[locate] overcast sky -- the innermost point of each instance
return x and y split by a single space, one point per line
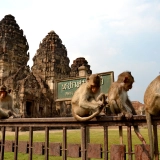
112 35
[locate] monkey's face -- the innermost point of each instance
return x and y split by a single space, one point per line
94 89
3 94
128 86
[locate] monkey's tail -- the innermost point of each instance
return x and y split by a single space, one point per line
82 119
150 134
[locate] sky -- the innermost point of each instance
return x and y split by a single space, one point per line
112 35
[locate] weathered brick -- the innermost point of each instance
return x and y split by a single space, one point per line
73 150
8 146
22 146
142 152
94 151
117 152
38 148
55 149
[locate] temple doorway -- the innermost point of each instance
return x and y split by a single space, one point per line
29 108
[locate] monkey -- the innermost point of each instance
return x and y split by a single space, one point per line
152 107
6 104
119 102
87 102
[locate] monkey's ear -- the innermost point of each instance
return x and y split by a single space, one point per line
125 80
87 78
100 77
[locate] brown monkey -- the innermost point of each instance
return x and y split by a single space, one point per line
152 107
86 104
6 104
118 100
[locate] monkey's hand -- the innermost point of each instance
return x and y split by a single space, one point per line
100 103
102 98
100 107
121 115
128 115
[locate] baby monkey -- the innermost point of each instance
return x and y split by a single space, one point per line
119 102
87 102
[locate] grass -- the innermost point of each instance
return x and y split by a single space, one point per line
74 137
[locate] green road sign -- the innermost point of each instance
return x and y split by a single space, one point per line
66 88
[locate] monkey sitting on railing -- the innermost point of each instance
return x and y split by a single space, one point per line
87 102
119 102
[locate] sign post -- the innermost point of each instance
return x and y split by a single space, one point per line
65 89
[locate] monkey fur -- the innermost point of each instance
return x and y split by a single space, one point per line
6 104
152 107
87 102
119 102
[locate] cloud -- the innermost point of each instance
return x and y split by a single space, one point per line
135 18
111 35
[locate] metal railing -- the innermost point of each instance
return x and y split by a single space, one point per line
65 124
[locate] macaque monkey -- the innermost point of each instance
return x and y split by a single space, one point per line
87 102
119 102
6 104
152 107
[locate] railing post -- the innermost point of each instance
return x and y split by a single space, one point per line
129 142
87 139
155 142
2 142
30 142
46 143
16 143
105 142
64 145
121 134
83 143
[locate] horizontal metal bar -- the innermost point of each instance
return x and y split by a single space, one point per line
70 121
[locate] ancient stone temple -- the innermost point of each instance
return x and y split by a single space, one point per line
13 47
51 59
76 64
33 89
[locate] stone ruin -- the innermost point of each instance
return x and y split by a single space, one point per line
33 89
